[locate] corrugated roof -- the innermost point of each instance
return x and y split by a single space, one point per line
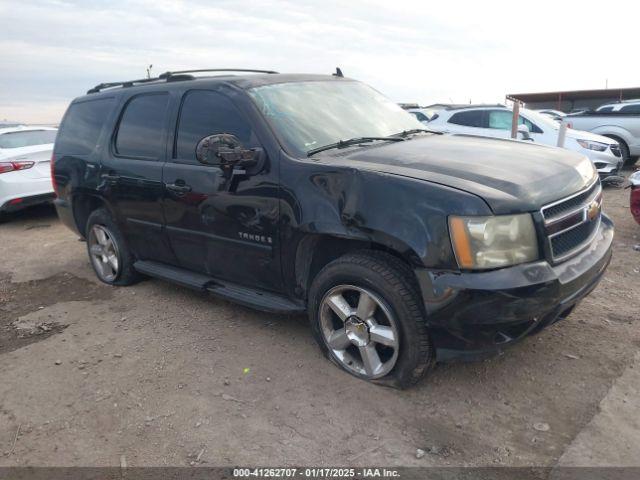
604 93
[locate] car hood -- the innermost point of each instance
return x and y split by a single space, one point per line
582 135
511 176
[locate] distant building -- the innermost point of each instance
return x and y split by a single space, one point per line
568 101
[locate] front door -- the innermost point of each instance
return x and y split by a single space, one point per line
498 124
219 225
131 174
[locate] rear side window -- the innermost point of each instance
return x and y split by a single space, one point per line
472 118
630 109
140 132
205 113
605 109
420 116
82 125
27 138
500 119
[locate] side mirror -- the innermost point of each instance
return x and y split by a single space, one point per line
226 151
524 131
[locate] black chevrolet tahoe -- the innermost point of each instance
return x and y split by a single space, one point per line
293 193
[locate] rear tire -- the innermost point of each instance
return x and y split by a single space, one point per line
109 254
367 317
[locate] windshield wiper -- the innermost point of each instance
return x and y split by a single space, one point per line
406 133
353 141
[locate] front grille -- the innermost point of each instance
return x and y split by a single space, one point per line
571 223
566 242
558 209
615 149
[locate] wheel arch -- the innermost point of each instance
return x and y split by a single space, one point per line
615 132
617 138
84 204
315 251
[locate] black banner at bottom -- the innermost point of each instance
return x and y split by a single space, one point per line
237 473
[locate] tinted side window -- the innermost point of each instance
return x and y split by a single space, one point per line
472 118
140 133
205 113
28 138
605 109
420 116
533 128
82 125
500 119
630 109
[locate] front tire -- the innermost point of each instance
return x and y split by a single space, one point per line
366 315
109 254
624 150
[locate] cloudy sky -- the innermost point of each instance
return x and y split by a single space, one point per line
442 51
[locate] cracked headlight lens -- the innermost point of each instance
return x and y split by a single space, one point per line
493 241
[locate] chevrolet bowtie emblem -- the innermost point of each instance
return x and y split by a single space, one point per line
593 210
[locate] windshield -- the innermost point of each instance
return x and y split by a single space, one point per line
542 120
27 138
308 115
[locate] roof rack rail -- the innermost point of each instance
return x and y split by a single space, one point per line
462 106
167 75
127 83
171 76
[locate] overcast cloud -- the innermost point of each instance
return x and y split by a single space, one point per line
52 51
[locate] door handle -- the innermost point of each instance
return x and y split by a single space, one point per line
110 177
178 187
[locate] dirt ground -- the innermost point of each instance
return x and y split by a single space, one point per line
165 376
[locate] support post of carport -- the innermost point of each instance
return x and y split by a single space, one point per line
514 120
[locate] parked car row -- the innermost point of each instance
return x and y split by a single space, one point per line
405 244
495 121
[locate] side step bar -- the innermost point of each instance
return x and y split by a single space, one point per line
177 275
258 299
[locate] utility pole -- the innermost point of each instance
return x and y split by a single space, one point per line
149 71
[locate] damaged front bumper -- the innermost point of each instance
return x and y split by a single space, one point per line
475 315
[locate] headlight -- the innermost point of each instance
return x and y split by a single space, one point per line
589 145
493 242
587 170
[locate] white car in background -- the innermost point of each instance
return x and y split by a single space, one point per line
556 115
495 121
25 167
422 114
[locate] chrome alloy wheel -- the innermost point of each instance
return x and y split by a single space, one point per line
359 330
104 253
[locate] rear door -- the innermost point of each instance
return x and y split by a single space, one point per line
219 226
467 121
498 123
131 173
